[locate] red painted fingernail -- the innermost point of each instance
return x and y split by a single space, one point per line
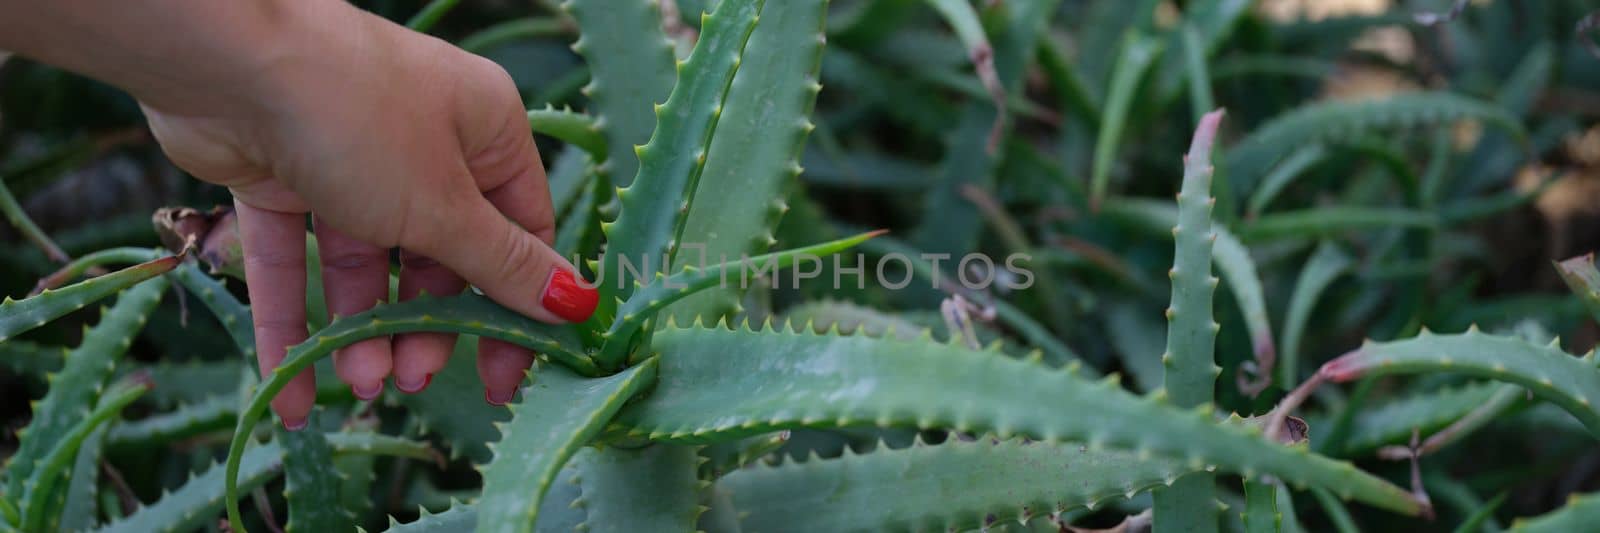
569 299
497 400
372 391
294 425
414 386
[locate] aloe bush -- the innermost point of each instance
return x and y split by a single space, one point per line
1315 241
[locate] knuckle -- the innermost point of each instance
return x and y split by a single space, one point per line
274 260
352 261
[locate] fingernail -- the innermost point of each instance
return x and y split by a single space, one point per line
497 399
413 385
295 424
567 298
368 393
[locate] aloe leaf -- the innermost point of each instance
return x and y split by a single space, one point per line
40 490
1191 368
1549 373
1392 422
559 413
459 517
430 15
1581 511
759 139
192 382
30 358
195 504
74 391
1334 120
954 486
514 30
311 484
80 508
1230 257
631 67
964 20
654 205
1481 519
1201 100
1138 52
651 299
1581 276
1139 337
647 489
1337 514
468 313
724 457
1330 221
234 316
570 127
1282 175
950 224
1325 265
19 219
215 413
806 380
17 316
1261 508
1207 25
561 512
850 319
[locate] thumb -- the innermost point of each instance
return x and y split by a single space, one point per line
510 265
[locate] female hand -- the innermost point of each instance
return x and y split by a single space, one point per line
388 137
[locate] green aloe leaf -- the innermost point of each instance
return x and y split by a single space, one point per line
653 206
1261 508
17 316
1581 276
311 484
664 290
1189 359
954 486
631 69
710 389
196 503
47 476
1336 120
646 489
76 389
1581 512
1549 373
558 414
1325 265
1231 257
570 127
1138 52
468 313
754 155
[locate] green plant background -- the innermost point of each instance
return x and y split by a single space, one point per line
1364 242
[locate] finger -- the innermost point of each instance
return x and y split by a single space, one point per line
502 367
418 356
355 277
525 199
275 273
510 265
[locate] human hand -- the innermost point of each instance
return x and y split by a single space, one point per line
391 139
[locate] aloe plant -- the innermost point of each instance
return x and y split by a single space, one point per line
736 155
